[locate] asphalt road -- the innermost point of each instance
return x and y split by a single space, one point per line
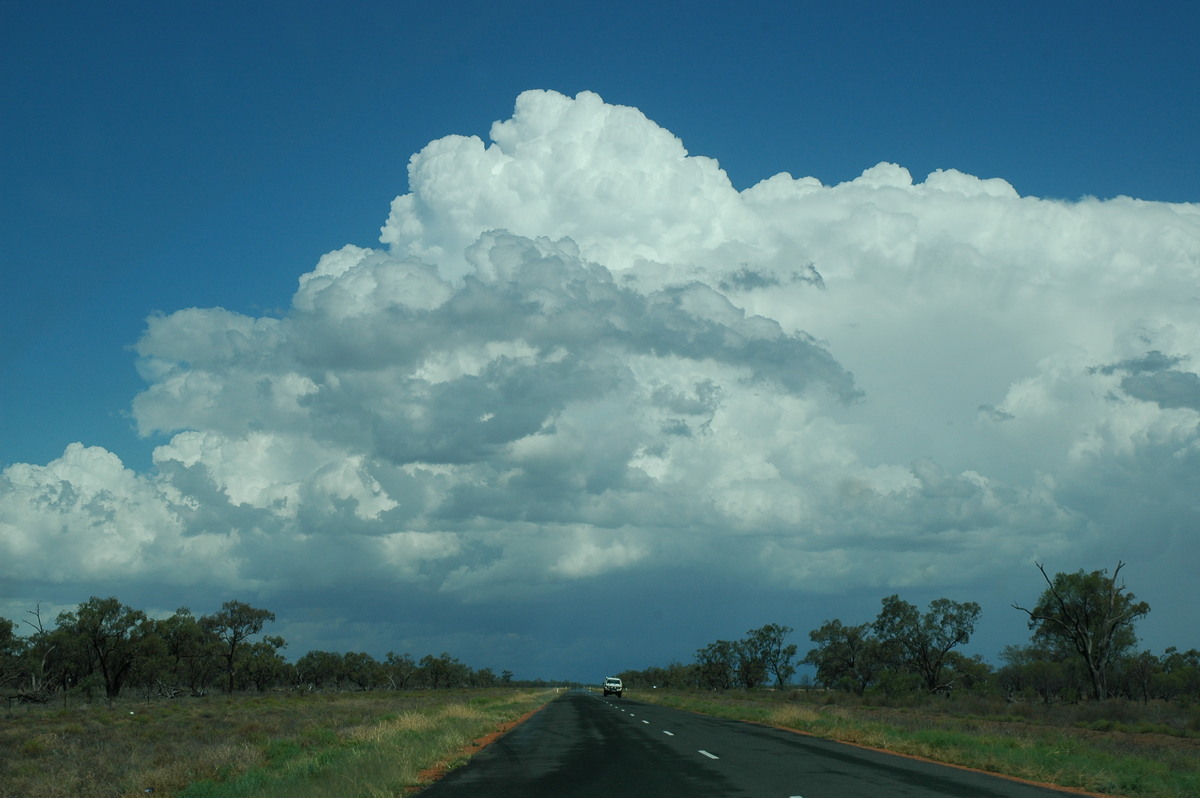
583 745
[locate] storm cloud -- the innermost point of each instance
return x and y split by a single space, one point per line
579 354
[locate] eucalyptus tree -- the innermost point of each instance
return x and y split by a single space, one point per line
1090 614
846 657
400 668
362 670
232 625
262 664
717 665
193 653
921 643
1033 670
442 671
768 646
11 650
1180 674
115 635
751 668
319 669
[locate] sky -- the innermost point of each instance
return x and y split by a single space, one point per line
568 340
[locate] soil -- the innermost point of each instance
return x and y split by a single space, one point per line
430 775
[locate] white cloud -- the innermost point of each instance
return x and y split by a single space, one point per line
85 516
582 352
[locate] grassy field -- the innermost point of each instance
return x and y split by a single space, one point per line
1110 748
296 745
390 743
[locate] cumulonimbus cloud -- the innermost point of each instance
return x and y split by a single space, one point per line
581 350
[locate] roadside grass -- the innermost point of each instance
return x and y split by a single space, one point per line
1047 745
367 744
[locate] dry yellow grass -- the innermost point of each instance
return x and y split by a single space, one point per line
794 716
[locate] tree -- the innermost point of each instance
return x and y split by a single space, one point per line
970 673
193 656
1031 670
11 649
361 669
60 656
484 677
751 669
262 663
442 671
717 665
1180 674
321 668
43 658
922 643
401 667
1090 614
846 657
680 675
1139 671
232 625
767 646
116 635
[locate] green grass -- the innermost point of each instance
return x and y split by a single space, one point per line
1047 748
344 744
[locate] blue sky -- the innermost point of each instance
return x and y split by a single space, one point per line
166 158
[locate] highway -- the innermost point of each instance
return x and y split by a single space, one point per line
583 745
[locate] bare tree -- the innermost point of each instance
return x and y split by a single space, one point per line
1089 613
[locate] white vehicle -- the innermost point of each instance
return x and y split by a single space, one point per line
612 685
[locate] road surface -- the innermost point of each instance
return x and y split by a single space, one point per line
582 745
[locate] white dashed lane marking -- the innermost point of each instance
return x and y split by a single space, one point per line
672 734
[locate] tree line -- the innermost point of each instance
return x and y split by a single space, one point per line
1083 643
105 646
